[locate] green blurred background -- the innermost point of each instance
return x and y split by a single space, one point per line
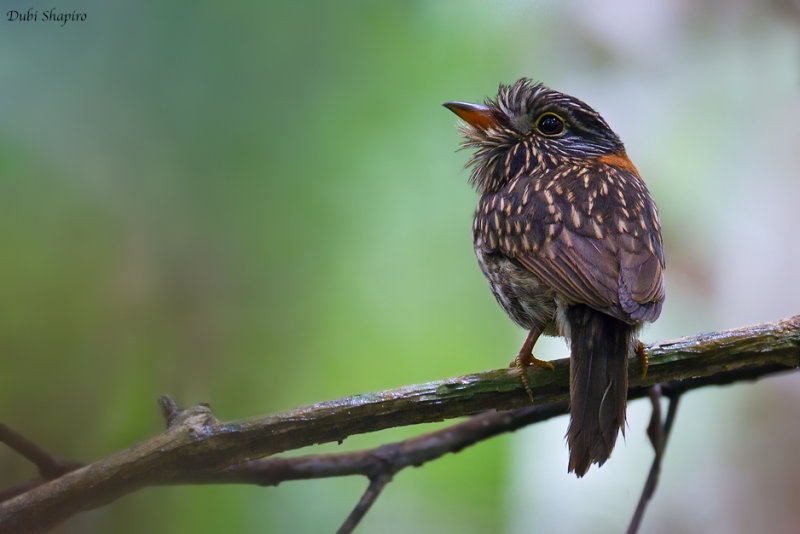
261 206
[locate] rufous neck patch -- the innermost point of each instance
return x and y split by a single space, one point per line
619 160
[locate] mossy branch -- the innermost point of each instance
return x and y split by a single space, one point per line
196 446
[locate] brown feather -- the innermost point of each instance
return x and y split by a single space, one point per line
619 273
600 346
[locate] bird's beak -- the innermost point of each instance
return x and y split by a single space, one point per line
475 115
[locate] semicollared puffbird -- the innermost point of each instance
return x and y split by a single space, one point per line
569 239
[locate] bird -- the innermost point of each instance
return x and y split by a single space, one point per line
569 239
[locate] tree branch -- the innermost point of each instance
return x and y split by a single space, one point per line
659 432
49 466
197 444
389 458
376 485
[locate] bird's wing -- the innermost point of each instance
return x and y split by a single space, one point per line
593 235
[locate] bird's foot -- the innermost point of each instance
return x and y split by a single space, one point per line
521 362
643 359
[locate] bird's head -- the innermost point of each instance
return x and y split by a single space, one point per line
530 128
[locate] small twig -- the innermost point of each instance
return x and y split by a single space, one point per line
658 432
389 459
655 430
671 411
376 485
169 410
49 466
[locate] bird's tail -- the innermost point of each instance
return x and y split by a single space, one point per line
598 388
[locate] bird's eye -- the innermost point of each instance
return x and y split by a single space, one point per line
550 124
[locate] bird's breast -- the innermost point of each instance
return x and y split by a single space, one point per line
522 295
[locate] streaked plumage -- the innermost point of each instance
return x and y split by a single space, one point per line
569 239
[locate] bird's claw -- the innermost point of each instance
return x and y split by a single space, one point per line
644 360
521 362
